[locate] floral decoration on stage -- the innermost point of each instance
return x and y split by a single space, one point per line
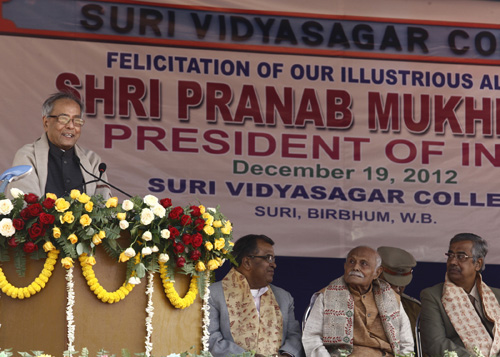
164 238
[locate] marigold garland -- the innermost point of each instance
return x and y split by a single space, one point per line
36 286
171 293
99 291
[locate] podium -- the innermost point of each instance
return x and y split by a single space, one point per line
39 322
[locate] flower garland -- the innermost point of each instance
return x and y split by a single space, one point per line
171 293
99 291
150 313
37 285
206 314
69 309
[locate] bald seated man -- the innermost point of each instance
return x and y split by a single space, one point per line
358 313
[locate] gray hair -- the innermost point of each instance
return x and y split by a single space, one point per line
48 105
377 256
479 246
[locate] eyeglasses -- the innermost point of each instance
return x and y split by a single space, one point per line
65 119
269 257
461 257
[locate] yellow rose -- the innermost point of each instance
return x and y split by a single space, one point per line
73 238
90 260
85 220
96 239
217 224
102 234
51 195
84 198
61 205
209 230
220 243
74 194
56 232
121 216
89 206
67 262
209 219
112 202
200 266
212 264
123 258
202 209
67 217
227 228
48 246
209 246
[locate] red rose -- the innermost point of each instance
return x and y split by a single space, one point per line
46 218
36 230
29 247
195 211
185 220
176 212
199 224
12 242
18 224
31 198
49 203
174 233
166 202
197 240
25 214
180 262
178 248
35 209
186 238
195 255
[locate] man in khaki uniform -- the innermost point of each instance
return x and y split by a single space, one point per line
397 265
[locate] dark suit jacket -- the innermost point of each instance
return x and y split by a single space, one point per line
436 329
221 342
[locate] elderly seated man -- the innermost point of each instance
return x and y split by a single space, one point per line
358 313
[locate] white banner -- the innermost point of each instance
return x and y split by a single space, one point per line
323 130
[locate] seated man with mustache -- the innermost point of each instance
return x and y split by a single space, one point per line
358 313
462 314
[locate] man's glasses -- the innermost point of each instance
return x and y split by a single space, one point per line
461 257
269 257
65 119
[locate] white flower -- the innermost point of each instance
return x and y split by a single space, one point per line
165 233
15 192
6 227
127 205
146 251
124 224
155 249
129 252
159 211
134 280
6 206
163 258
147 216
150 200
211 209
147 236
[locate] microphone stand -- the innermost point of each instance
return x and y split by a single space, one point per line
97 179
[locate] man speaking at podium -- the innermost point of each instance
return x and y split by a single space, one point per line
59 164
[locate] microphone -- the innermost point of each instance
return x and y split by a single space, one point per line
102 169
